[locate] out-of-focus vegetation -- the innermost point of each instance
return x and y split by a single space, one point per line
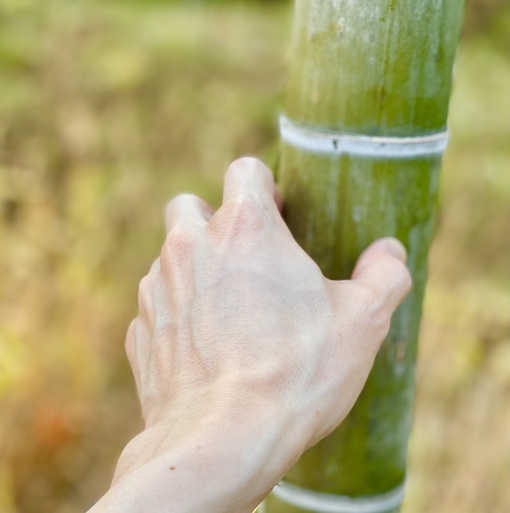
107 109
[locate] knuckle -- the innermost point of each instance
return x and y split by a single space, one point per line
374 309
368 297
240 216
177 247
244 206
380 322
145 296
179 237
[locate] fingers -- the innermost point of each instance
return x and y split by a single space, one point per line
246 176
382 268
187 209
249 176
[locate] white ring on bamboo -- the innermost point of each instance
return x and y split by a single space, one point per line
328 503
316 141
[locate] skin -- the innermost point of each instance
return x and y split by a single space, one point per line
243 353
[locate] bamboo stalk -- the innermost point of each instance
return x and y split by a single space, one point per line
362 137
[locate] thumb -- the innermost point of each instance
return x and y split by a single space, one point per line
382 268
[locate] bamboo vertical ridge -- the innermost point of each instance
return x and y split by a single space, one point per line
366 70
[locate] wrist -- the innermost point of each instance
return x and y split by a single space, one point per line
236 449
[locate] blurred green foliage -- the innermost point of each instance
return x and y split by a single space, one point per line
109 108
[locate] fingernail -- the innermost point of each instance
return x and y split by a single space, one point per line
394 247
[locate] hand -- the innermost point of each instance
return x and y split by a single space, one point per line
243 353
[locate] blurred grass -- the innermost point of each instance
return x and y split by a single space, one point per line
107 109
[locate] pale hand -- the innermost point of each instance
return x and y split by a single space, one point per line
243 353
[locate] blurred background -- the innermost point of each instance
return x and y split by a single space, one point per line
107 109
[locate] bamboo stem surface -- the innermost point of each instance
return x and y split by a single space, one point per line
366 69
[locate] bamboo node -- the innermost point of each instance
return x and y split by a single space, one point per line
317 141
328 503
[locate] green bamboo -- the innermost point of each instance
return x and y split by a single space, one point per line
375 68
